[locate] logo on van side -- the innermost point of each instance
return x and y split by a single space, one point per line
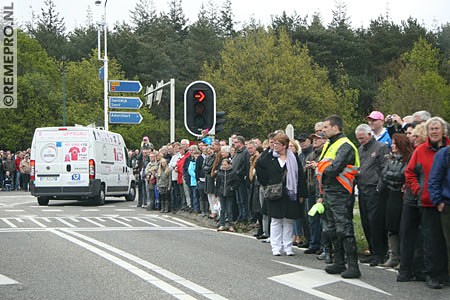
48 153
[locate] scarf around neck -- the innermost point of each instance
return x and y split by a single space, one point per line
292 173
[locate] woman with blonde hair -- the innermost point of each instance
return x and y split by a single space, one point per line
419 135
282 166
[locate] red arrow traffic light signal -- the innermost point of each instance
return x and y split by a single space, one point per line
200 96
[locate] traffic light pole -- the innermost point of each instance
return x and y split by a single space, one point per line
172 105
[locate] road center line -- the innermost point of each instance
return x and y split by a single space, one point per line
172 290
159 270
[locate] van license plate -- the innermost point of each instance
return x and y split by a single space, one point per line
49 178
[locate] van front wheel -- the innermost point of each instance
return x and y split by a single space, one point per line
43 200
132 194
100 198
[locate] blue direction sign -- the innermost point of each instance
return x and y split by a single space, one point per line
124 86
125 102
125 117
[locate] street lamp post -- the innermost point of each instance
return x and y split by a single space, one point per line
105 64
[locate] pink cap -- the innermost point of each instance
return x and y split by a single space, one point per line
375 115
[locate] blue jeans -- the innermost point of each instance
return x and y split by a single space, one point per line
175 196
17 183
226 209
194 198
314 224
142 186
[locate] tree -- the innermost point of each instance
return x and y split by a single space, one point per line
38 95
417 85
143 15
264 82
50 30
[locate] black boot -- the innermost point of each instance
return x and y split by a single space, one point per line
352 259
338 265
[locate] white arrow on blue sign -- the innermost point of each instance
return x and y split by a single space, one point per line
125 118
124 86
125 102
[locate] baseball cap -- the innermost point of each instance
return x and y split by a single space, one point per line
317 135
302 137
375 115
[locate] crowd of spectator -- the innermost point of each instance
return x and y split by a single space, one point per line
404 206
302 192
14 170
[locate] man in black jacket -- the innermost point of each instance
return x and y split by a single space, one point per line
241 165
336 170
372 205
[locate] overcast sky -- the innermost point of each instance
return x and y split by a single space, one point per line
430 13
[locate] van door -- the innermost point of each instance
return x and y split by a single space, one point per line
61 158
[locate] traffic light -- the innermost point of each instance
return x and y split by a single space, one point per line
220 121
199 107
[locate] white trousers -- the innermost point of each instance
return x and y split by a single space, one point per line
281 232
212 199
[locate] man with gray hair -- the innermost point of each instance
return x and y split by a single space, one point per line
371 202
421 116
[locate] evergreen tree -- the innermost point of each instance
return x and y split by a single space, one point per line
50 30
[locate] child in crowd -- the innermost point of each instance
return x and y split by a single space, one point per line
227 183
7 182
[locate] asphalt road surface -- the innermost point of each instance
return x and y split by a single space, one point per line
71 250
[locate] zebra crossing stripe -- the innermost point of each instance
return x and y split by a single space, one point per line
9 223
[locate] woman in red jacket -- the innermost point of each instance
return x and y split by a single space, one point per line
434 247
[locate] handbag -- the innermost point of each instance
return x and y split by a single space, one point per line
273 191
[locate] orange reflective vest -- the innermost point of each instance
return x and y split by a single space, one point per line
328 155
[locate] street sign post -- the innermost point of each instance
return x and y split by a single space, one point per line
124 86
119 117
125 102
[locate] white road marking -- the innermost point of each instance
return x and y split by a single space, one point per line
146 222
170 289
93 222
51 210
120 222
308 279
9 223
124 209
37 222
19 220
125 219
176 221
46 220
73 219
100 219
65 222
157 269
14 210
6 280
91 209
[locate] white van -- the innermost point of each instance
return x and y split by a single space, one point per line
80 163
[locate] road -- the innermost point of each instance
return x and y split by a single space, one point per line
70 250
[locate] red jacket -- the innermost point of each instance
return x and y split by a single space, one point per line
418 169
17 163
180 164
